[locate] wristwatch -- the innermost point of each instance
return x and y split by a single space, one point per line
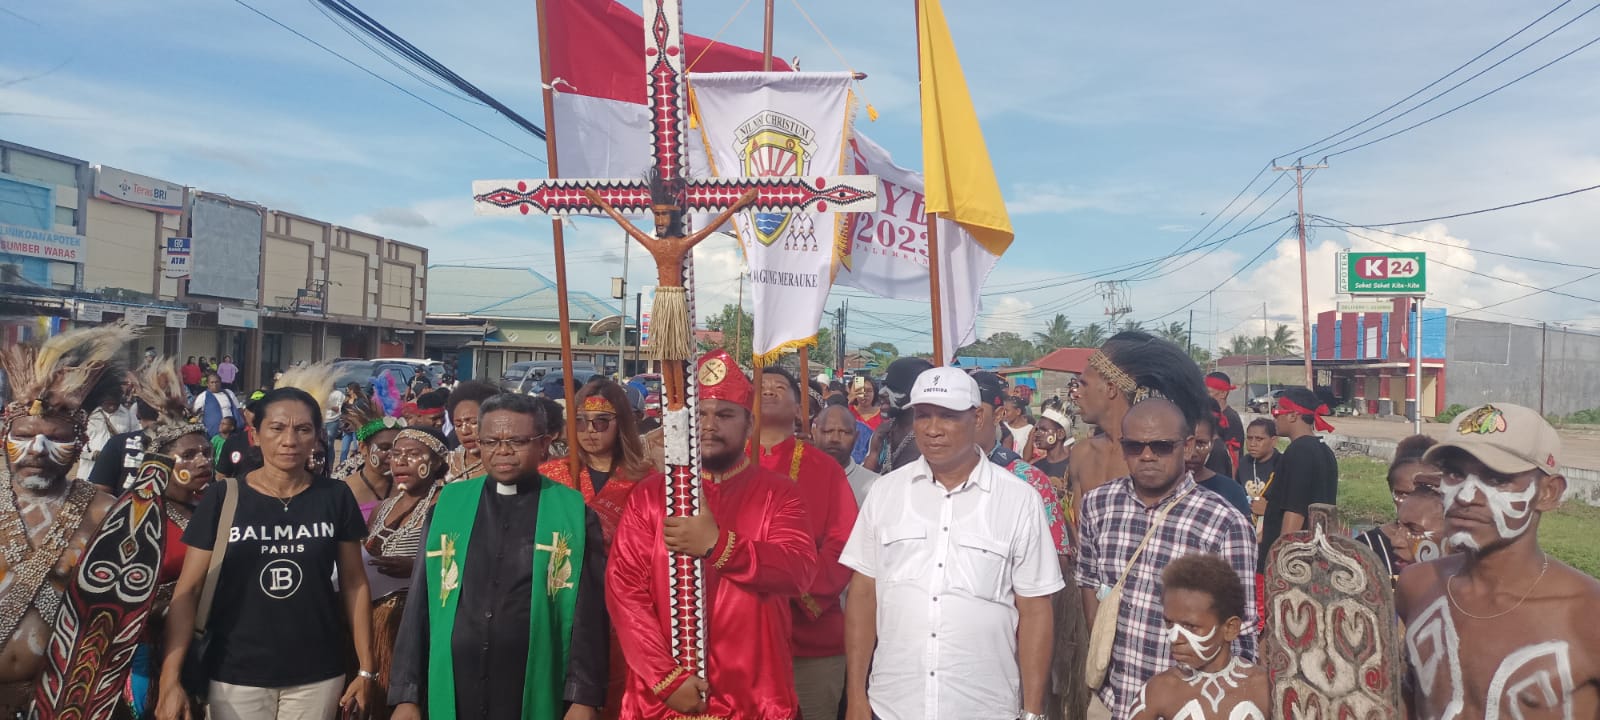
374 676
1030 716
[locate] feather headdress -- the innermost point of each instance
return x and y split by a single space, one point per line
59 375
161 387
316 380
366 418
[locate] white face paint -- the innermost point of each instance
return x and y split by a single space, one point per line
1511 511
1200 644
1462 542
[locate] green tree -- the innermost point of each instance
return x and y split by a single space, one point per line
823 353
1128 325
1201 356
1092 335
1283 341
1058 333
1175 331
882 353
736 325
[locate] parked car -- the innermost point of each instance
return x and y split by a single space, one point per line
552 386
650 385
367 373
433 370
1263 403
526 377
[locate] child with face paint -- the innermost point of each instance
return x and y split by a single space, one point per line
1203 603
1499 628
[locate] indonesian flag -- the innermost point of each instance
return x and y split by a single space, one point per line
597 72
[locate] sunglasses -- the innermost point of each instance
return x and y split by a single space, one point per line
1161 448
598 423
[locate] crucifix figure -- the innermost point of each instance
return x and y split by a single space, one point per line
669 193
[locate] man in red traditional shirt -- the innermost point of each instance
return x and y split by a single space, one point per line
759 554
818 618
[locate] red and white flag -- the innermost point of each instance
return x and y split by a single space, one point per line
596 51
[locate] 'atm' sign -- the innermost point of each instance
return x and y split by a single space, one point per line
1383 273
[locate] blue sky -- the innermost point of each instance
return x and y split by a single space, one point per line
1117 131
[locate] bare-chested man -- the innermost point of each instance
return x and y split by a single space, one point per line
1500 629
1130 364
47 517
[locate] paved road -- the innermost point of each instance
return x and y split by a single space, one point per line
1580 448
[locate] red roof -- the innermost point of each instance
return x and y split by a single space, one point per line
1070 360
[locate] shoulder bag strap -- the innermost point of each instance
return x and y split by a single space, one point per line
1154 523
219 549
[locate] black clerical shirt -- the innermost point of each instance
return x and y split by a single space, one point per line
490 642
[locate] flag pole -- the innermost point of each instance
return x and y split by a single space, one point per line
936 297
755 367
558 240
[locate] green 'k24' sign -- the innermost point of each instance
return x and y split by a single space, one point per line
1395 273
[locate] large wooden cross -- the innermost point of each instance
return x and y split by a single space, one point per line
669 193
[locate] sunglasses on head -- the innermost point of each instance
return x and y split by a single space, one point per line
1161 448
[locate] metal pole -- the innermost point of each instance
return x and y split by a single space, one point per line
1266 334
1305 287
622 347
638 333
1544 348
1189 341
1416 417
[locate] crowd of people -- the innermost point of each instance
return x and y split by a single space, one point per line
920 545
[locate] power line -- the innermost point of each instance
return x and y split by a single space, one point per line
389 82
1185 244
1425 88
1479 212
392 40
1338 224
1503 86
1225 280
1434 261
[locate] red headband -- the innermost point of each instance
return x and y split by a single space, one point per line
1287 406
1220 384
411 408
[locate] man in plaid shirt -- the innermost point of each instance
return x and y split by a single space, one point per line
1115 518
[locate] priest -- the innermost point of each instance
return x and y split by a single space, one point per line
507 619
757 556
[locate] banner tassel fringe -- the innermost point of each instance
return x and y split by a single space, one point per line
772 356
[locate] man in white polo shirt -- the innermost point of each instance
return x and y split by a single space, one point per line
954 563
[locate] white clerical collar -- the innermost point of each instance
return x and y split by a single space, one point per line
501 488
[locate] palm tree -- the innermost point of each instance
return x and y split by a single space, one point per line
1283 341
1260 345
1175 331
1058 333
1092 335
1238 345
1128 325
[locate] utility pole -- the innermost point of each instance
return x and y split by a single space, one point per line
1267 334
1299 169
1190 340
1544 347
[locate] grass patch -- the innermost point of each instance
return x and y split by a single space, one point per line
1568 534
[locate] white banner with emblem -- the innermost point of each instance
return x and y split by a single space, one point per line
779 124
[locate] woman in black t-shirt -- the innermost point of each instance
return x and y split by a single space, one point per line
278 635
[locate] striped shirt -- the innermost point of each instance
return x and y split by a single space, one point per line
1113 522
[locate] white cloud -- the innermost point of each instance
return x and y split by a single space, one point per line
1008 314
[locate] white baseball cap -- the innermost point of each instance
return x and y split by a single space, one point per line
947 387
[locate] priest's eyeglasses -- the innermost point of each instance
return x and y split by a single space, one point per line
493 446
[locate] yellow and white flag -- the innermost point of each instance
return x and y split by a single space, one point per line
779 124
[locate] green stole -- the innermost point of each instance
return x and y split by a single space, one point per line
556 569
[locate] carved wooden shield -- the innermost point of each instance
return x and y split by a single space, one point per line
1332 643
